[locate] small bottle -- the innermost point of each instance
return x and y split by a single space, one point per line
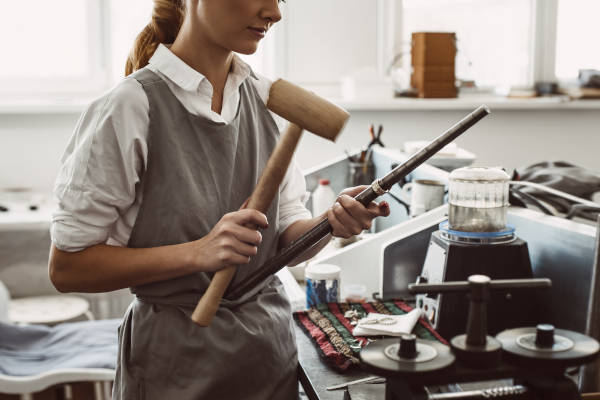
322 198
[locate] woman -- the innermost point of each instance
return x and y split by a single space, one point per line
150 197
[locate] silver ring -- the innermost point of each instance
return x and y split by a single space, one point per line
377 188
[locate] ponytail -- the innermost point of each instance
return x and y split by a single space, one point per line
167 17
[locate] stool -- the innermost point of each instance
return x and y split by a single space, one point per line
48 310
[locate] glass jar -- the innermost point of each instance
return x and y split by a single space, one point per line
478 199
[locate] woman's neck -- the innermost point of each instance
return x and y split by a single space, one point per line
212 61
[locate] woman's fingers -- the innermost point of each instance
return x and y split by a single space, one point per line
248 216
349 217
338 229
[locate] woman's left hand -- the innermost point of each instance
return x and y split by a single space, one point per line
348 217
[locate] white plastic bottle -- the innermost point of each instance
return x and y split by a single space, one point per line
322 198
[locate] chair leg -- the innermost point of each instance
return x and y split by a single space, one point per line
68 392
98 391
107 385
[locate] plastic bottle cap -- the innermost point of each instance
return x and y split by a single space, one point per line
323 181
322 271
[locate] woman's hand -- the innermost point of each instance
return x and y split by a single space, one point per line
348 217
232 241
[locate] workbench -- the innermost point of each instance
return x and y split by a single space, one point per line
316 375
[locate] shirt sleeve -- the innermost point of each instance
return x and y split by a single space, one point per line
101 168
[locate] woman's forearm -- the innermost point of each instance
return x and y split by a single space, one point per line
103 268
297 229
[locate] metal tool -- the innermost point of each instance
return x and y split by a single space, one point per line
545 346
407 357
369 379
476 348
493 393
377 188
536 357
375 138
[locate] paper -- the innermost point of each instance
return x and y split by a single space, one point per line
382 324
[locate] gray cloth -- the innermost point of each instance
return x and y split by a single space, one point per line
198 170
34 349
563 176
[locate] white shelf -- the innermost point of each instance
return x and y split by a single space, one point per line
468 102
45 106
76 105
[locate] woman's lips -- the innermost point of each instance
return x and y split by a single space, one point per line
259 33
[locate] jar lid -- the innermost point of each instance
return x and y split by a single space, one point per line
489 174
323 181
322 271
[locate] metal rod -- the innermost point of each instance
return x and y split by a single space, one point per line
369 379
377 188
463 286
496 393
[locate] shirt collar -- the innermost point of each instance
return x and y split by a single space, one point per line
174 68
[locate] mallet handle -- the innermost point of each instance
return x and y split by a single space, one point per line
260 200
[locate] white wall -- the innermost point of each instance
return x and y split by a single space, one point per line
31 145
319 44
509 138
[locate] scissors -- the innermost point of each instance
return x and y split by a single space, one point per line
375 138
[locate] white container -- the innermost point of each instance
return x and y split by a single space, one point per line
322 198
478 198
425 195
322 284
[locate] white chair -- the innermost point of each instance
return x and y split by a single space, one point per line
41 379
25 386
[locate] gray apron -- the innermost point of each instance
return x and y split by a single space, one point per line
197 171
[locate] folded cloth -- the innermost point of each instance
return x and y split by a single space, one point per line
331 330
34 349
376 324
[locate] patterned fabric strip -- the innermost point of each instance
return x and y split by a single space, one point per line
333 335
325 347
332 332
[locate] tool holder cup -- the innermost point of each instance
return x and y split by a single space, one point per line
360 173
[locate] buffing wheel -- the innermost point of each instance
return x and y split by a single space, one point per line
529 347
381 358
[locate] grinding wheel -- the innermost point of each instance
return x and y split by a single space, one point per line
381 358
522 347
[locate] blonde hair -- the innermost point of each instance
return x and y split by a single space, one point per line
167 17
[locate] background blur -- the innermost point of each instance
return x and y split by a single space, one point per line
59 55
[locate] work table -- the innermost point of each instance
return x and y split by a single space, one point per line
315 375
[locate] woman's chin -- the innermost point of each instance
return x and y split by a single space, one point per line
247 48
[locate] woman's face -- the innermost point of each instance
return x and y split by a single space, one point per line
236 25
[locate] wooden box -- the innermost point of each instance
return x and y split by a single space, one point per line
433 48
424 74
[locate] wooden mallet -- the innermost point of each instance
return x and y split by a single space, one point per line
304 110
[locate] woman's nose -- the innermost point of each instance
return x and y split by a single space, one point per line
271 11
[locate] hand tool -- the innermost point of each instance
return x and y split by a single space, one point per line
304 110
377 188
369 379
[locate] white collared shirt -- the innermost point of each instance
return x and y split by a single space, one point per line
99 187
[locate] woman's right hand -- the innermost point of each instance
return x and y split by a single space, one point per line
232 241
